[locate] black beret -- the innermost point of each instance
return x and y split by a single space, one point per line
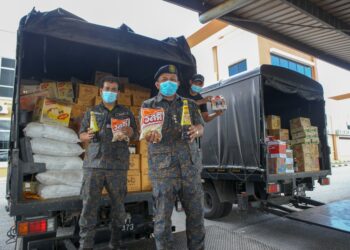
197 78
170 69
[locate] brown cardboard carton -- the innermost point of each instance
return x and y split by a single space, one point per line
28 102
65 91
138 99
86 102
305 132
50 87
87 92
311 140
273 122
277 165
78 111
279 134
134 181
144 164
134 162
124 99
146 183
301 149
99 75
136 111
98 100
52 112
307 163
300 122
142 147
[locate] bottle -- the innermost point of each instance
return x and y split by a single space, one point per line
94 126
185 121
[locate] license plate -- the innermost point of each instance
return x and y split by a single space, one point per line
128 226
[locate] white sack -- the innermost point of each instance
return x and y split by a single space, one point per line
55 148
61 177
59 163
57 191
58 133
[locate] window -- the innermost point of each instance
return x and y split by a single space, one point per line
236 68
7 77
292 65
4 144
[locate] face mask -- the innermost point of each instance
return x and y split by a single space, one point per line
109 97
168 88
196 88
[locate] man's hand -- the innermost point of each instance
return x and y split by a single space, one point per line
153 137
128 131
208 98
219 112
195 131
86 136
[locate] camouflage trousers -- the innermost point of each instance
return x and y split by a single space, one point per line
190 193
93 182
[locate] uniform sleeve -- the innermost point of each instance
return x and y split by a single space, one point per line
203 108
195 114
85 123
133 125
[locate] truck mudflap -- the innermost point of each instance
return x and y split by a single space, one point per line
335 215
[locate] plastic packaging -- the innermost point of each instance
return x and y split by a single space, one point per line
117 125
57 191
55 148
59 163
54 132
61 177
151 120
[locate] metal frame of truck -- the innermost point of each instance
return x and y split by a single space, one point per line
58 45
234 148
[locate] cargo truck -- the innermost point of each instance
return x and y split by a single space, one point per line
58 45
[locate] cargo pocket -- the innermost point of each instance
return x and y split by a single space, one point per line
93 150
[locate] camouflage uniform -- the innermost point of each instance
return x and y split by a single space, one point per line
105 164
175 167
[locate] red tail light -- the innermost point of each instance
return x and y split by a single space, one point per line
35 226
324 181
38 226
273 188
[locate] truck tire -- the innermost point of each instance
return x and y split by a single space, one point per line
213 208
227 209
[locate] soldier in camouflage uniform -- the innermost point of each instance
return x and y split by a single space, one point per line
175 164
105 165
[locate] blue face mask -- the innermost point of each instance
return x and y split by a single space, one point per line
168 88
109 97
196 88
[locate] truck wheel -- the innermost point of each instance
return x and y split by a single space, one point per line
227 209
213 208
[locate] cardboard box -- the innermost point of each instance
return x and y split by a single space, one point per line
53 112
307 163
134 162
30 186
65 91
99 75
50 87
138 99
142 147
273 122
78 111
302 149
312 140
98 100
305 132
29 89
86 102
289 153
136 111
87 92
134 181
300 122
277 165
277 147
124 99
146 183
289 168
144 164
28 102
279 134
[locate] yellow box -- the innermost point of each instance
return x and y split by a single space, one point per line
300 122
142 147
78 111
273 122
124 99
146 183
144 164
65 91
87 92
50 87
86 102
53 112
134 162
134 181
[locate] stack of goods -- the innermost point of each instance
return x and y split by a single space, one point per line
280 157
57 147
305 145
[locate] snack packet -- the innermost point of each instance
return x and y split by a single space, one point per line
218 103
117 125
152 119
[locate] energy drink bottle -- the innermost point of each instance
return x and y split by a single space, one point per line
185 121
94 126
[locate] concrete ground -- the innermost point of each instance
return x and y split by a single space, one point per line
268 229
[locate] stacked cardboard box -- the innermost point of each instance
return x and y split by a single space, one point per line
274 128
134 173
305 145
277 157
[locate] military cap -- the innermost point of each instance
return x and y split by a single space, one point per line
197 78
170 69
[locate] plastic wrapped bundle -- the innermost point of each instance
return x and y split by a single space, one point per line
55 148
61 177
57 191
59 163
